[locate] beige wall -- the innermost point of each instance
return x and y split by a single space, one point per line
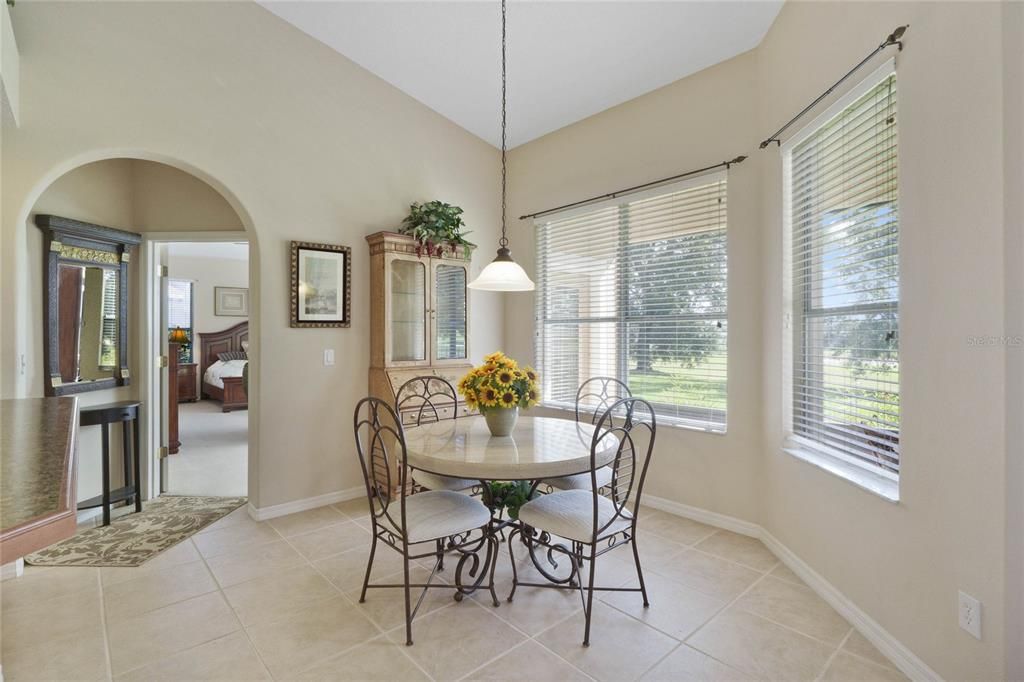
9 66
901 563
305 145
904 563
165 199
645 139
1013 165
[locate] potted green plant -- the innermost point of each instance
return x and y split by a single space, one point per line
508 495
436 227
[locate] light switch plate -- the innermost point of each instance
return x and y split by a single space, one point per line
328 357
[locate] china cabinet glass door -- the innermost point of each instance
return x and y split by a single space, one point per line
408 311
450 300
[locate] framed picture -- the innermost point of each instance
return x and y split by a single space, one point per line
321 285
230 302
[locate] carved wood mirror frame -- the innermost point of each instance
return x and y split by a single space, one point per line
76 242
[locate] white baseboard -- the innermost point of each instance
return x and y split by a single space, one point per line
15 569
272 512
902 657
704 516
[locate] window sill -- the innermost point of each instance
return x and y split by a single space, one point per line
875 483
662 421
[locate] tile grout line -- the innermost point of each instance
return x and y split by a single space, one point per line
380 629
726 605
832 657
220 590
704 624
533 638
382 634
764 575
103 623
863 659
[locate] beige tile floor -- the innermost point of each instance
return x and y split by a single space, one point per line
279 600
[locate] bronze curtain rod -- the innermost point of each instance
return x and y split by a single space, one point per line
893 38
629 190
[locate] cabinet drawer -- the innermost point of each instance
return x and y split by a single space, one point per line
410 416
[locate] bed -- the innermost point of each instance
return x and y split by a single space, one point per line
222 380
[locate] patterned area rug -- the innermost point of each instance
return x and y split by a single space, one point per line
136 538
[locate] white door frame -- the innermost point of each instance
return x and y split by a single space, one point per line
151 343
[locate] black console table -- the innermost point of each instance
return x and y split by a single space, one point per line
126 412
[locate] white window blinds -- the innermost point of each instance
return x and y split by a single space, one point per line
449 312
179 304
637 291
845 273
108 323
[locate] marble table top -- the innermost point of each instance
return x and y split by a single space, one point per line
539 447
36 447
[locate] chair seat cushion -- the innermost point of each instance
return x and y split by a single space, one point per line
437 514
434 482
570 514
581 481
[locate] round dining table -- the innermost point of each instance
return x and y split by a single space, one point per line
539 448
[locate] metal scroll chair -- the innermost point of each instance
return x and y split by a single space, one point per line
430 399
586 518
597 393
428 519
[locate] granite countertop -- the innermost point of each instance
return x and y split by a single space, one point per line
36 457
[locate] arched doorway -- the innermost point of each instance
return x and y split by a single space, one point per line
80 188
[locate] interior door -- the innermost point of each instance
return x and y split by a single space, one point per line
164 391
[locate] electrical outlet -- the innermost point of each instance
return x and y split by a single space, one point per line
328 357
970 614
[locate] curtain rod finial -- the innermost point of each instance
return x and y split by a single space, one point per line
895 38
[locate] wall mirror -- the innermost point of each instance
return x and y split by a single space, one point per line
85 305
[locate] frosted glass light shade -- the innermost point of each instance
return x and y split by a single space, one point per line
502 274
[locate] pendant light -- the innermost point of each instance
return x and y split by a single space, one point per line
503 273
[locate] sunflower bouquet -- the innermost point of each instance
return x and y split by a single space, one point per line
500 383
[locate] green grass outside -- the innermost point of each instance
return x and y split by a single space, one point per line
703 386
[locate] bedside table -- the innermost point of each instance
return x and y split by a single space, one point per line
187 389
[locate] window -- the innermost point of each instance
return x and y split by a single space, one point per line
844 230
636 290
108 321
179 314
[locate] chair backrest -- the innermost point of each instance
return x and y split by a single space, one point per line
379 433
426 397
631 421
600 393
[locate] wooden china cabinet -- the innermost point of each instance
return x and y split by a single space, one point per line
419 316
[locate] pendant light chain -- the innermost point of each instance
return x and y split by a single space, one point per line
503 242
503 273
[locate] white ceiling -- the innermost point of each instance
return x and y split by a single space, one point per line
566 60
217 250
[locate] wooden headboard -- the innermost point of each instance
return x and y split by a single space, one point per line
214 343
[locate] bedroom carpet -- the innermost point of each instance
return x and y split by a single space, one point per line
136 538
213 459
